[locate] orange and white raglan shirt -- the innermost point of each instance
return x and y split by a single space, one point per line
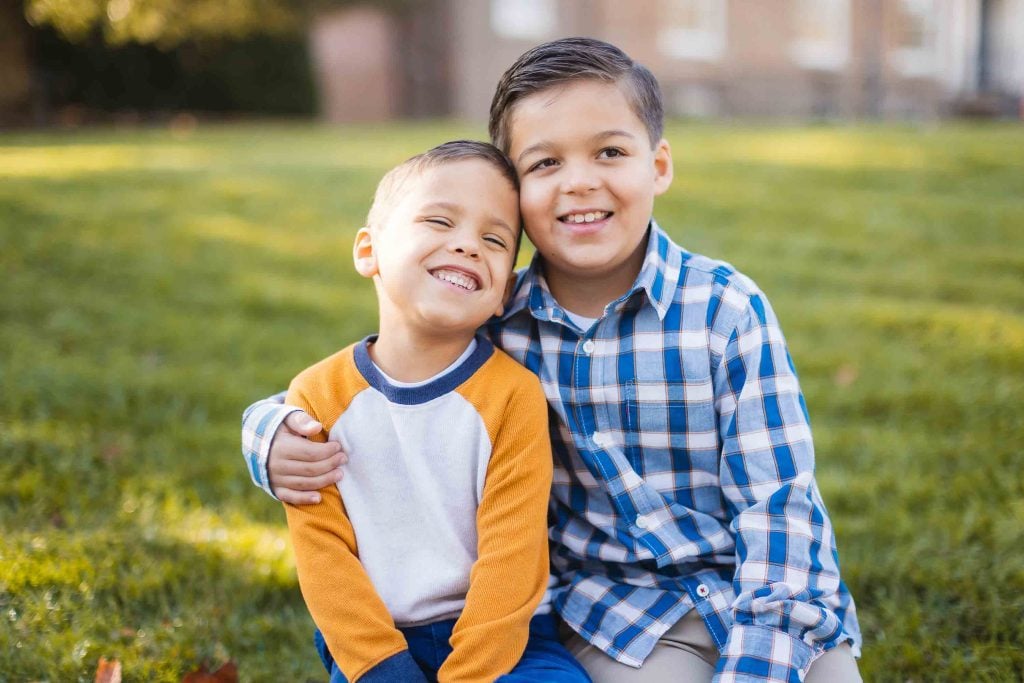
442 512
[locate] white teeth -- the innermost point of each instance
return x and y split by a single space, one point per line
457 279
589 217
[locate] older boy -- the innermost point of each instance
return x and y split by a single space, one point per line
430 561
689 540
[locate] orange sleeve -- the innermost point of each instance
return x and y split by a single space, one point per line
355 623
510 575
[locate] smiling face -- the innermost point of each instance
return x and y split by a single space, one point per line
588 177
442 256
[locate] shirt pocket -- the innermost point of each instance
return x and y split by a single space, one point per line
654 410
672 442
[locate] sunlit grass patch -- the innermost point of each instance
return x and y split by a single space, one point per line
76 161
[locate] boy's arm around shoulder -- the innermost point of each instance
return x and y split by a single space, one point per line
510 575
260 422
279 455
787 576
345 606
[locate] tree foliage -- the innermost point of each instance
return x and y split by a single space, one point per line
170 22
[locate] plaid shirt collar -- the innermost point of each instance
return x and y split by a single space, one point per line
657 281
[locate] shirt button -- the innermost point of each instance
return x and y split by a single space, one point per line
703 590
598 438
642 522
589 346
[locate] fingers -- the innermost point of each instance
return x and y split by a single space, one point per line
297 497
305 469
305 484
286 449
299 422
298 467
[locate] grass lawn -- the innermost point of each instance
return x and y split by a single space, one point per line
153 285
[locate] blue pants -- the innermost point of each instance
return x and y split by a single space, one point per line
545 658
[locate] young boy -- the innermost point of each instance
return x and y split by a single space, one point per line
430 561
689 540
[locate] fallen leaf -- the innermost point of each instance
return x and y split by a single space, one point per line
112 452
846 375
226 674
108 671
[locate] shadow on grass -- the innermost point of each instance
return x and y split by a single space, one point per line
160 606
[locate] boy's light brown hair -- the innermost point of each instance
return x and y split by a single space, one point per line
575 59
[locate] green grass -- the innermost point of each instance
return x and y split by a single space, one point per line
153 285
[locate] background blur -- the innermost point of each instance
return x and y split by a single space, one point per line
180 183
64 62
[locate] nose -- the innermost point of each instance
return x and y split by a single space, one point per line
465 242
579 179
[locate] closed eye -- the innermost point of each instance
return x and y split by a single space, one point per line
496 241
444 222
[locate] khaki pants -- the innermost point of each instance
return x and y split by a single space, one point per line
686 654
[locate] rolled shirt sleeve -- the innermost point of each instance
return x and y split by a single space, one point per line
787 570
259 425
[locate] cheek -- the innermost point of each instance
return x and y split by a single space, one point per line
637 194
532 199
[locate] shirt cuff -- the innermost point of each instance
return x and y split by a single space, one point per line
762 654
398 668
259 426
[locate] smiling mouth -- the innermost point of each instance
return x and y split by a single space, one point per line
457 278
585 217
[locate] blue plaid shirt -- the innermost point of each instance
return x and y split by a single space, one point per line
684 469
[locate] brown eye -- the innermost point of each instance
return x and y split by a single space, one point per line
543 163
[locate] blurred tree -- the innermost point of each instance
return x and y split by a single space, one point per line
167 23
15 83
164 24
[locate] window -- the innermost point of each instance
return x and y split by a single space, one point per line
531 20
693 29
916 53
822 34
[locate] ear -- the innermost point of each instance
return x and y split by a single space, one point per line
363 254
662 167
509 286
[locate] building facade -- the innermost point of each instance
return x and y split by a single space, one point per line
791 59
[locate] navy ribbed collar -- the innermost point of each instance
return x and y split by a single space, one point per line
429 391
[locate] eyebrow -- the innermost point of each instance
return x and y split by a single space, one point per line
508 228
603 135
447 206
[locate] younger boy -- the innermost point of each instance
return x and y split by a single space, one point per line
689 538
430 561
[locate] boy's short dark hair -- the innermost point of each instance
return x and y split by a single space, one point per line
455 150
575 59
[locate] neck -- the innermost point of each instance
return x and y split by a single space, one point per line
588 295
409 355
